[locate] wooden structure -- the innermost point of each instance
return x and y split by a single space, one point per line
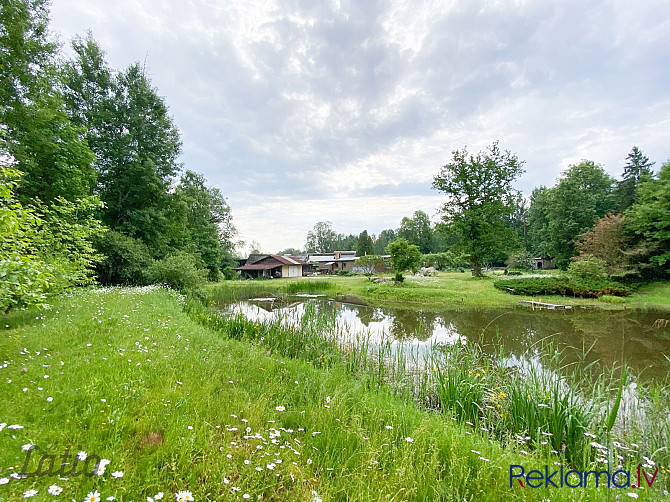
270 266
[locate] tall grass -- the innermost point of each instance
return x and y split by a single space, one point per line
534 401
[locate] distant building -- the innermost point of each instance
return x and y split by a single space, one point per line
327 263
270 266
543 264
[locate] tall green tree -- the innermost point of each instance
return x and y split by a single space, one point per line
479 199
135 141
404 256
417 230
365 245
383 240
539 240
582 196
648 220
50 151
637 169
321 239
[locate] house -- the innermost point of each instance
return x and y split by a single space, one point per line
384 265
270 266
337 261
543 264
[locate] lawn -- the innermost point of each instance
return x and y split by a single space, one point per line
127 376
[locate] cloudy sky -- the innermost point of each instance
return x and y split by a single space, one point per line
303 110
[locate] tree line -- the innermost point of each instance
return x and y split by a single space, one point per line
90 183
622 224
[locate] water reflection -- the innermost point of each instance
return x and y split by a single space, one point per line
613 337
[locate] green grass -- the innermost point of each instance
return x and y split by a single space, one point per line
448 289
135 380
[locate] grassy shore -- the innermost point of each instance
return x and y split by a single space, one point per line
128 376
452 290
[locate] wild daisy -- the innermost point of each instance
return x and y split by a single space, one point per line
280 408
183 496
92 497
117 474
55 490
29 493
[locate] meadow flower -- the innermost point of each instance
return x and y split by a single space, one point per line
92 497
55 490
183 496
117 474
246 496
27 447
632 495
280 408
409 440
81 456
49 399
4 481
29 493
158 496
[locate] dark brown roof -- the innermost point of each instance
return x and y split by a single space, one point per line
259 266
268 261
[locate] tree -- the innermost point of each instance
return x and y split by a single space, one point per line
637 169
417 230
606 241
480 197
50 151
538 222
385 238
649 219
581 197
368 263
321 239
365 245
290 251
134 139
404 256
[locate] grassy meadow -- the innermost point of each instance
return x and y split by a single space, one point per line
448 289
178 399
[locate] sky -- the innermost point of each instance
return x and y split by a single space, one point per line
302 111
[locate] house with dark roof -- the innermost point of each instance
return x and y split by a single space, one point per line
270 266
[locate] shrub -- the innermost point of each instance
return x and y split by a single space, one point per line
588 268
126 259
521 260
179 270
565 286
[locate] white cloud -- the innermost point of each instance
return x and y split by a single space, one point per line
297 108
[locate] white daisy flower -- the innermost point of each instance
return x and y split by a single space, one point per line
117 474
81 456
29 493
92 497
183 496
158 496
4 481
409 440
280 408
55 490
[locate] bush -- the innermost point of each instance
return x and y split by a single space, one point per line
229 273
521 260
179 270
565 286
588 268
126 259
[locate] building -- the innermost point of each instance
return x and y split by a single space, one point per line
270 266
328 263
543 264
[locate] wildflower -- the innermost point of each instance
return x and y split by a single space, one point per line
29 493
158 496
226 481
246 496
118 474
92 497
55 490
280 408
315 497
632 495
81 456
27 447
49 399
184 496
4 481
389 427
409 440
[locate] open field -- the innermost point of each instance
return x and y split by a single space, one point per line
454 290
128 376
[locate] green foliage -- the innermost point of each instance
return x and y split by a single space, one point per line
572 207
564 286
321 239
46 253
637 169
480 200
382 241
404 256
369 263
648 220
589 268
364 245
446 260
125 261
179 270
417 230
520 260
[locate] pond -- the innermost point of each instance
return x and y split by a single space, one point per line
609 338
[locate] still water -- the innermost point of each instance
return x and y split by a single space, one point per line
608 338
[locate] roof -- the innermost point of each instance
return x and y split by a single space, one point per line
284 260
259 266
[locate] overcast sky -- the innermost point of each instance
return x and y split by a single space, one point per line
306 111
